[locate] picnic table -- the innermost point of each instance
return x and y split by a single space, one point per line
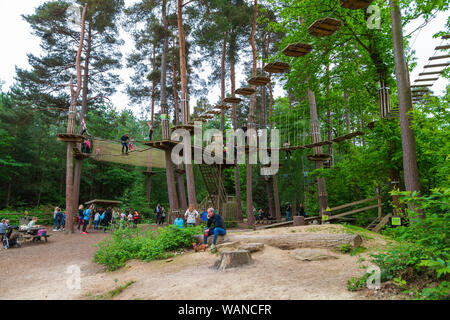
31 234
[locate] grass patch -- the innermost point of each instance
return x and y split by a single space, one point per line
128 244
115 292
365 234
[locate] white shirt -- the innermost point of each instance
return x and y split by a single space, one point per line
191 216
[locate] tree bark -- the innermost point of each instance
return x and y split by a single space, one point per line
411 172
299 240
237 182
84 99
185 113
315 131
222 80
251 118
172 192
276 198
74 94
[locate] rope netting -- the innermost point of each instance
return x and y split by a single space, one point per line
139 155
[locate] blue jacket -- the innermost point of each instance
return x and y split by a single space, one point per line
86 214
179 223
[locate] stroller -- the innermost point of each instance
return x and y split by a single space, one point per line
11 236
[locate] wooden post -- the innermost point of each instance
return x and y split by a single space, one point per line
379 201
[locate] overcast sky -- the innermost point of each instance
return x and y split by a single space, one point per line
17 41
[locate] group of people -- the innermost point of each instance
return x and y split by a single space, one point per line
160 214
59 219
190 216
127 143
106 217
301 211
215 225
261 215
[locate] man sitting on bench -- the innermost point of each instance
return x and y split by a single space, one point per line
215 226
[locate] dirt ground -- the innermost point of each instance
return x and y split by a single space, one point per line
40 271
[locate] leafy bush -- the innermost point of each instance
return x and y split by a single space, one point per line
357 283
127 244
423 249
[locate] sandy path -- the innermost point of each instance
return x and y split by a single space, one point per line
38 271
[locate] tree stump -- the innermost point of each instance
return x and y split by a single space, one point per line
233 259
299 220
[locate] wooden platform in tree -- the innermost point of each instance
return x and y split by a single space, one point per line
245 91
258 81
222 107
198 119
316 144
298 49
187 127
180 171
348 136
355 4
438 64
324 27
431 72
422 85
319 157
276 67
148 173
232 100
78 155
67 137
428 79
162 144
442 47
439 57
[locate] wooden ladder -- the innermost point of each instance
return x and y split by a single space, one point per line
214 184
377 224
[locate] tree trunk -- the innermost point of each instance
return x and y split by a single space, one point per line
8 194
74 94
173 199
222 80
347 114
410 169
276 198
251 118
299 240
185 113
237 182
150 151
315 131
172 193
84 99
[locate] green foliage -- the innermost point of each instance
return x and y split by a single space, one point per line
127 244
423 249
345 248
357 283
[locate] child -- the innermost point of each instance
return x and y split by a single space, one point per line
130 146
96 220
130 219
191 215
3 227
88 146
179 223
32 223
136 217
63 221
